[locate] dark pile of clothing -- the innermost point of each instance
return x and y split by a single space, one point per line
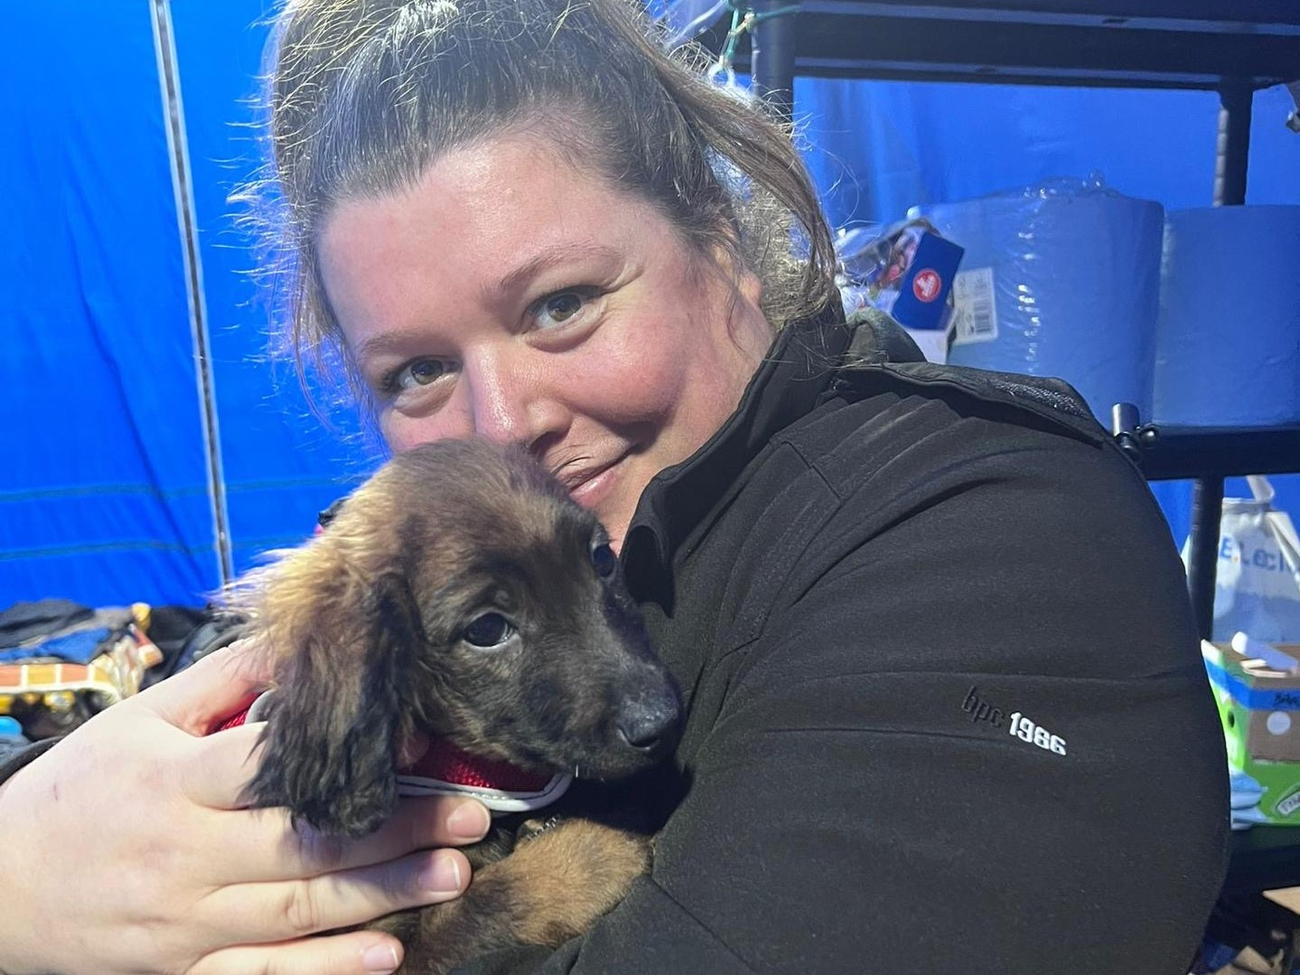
61 662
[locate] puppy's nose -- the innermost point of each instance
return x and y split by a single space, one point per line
649 726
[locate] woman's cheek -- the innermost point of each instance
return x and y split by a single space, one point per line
397 432
636 386
402 431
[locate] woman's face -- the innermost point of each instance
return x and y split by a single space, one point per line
509 296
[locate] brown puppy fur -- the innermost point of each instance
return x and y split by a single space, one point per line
461 594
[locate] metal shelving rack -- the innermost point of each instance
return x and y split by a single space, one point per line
1235 49
1203 44
1186 44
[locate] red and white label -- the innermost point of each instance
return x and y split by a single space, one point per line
927 285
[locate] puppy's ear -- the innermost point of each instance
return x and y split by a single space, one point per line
339 705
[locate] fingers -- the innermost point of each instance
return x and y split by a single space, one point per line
275 912
355 953
221 765
260 845
213 688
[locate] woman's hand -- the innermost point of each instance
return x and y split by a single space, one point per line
126 850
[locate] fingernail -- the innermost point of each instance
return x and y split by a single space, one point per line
469 821
441 876
380 959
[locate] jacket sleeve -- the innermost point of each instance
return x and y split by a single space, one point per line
973 735
12 761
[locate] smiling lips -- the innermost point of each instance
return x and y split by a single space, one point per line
588 484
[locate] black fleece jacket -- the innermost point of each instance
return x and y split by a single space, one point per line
946 707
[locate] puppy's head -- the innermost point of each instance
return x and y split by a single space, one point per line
460 594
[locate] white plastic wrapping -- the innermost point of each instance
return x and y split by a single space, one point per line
1060 279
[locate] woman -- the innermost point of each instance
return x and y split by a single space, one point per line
945 707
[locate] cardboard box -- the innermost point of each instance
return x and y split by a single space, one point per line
1258 695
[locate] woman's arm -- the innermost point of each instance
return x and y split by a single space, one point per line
126 850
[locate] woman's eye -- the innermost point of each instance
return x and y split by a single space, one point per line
421 372
561 307
416 374
489 631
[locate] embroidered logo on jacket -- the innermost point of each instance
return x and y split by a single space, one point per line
1017 724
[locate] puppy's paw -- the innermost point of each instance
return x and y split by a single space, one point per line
565 878
552 888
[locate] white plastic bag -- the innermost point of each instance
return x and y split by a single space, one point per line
1257 583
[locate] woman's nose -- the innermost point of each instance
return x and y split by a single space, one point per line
508 398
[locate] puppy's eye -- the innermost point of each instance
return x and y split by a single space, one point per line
605 561
488 631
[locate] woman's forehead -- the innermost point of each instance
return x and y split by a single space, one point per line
481 222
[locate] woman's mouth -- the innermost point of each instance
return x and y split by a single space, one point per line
590 485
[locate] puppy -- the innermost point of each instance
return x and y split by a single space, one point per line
461 596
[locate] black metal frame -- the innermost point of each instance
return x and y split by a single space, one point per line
1186 453
1111 43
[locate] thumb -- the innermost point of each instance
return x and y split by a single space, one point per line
217 686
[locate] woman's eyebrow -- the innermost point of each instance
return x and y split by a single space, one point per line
386 342
549 257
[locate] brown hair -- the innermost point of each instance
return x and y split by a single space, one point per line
364 94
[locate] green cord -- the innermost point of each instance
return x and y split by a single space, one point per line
743 20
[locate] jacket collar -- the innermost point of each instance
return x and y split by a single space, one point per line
791 378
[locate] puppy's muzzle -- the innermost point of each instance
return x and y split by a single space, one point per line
650 724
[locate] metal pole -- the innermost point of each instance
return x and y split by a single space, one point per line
1236 97
1203 550
1236 100
772 57
174 119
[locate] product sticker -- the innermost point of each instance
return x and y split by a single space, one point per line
975 315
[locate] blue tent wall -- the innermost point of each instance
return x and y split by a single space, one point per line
281 464
105 496
925 143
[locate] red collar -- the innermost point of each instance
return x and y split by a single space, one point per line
447 770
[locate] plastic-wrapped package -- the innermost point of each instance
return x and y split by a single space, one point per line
1228 338
1059 279
906 270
